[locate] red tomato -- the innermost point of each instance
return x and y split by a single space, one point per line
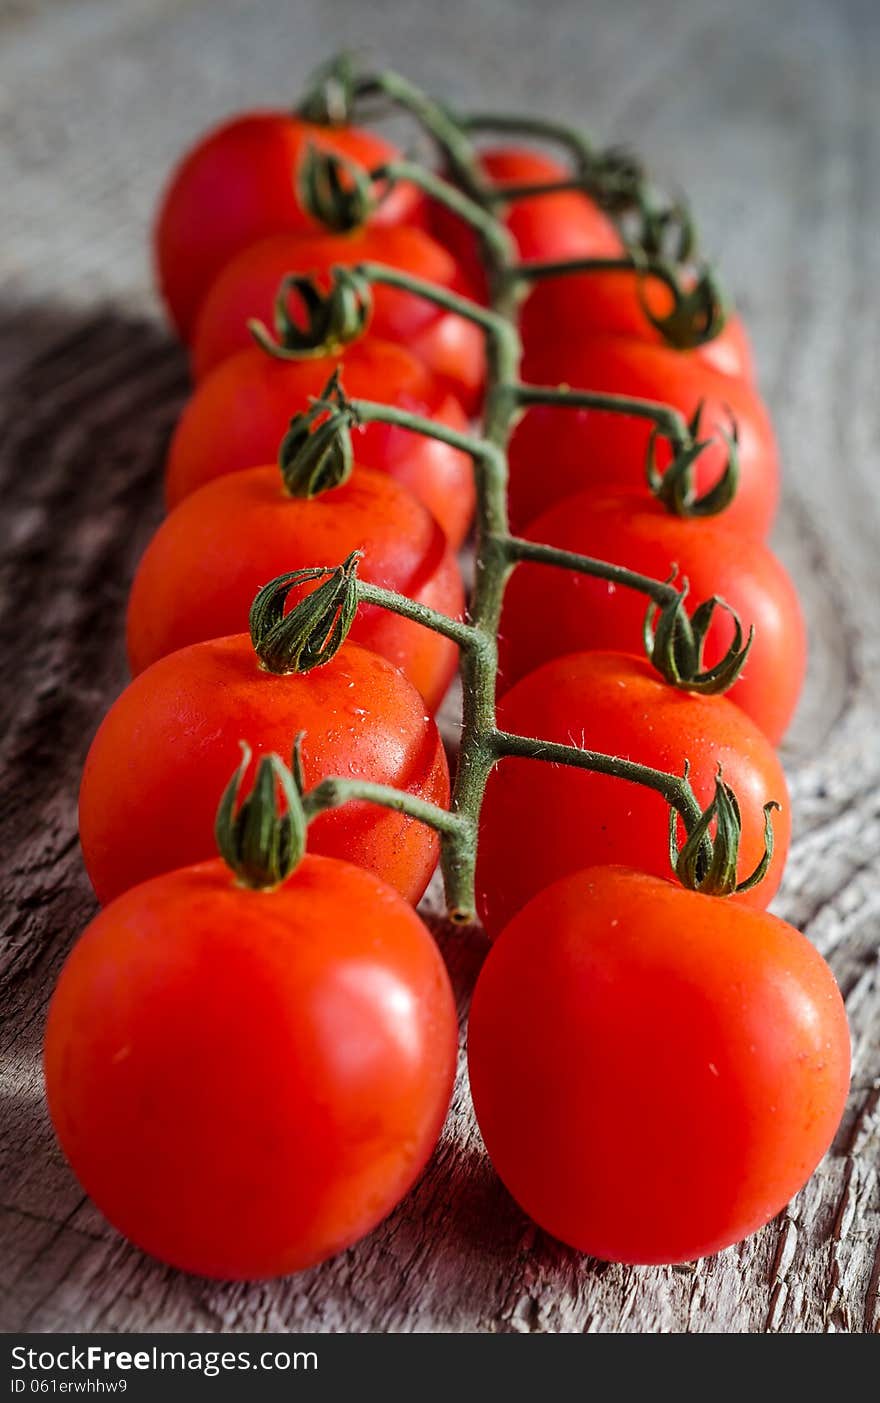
238 184
655 1073
555 452
608 304
240 412
248 1082
544 227
165 750
452 347
209 558
541 821
548 611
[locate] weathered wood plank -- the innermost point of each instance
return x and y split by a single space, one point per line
769 115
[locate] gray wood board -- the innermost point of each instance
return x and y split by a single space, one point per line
768 115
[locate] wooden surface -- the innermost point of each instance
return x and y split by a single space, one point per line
770 116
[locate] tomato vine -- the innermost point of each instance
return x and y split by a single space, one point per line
317 454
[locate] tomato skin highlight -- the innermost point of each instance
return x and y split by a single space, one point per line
555 452
548 612
202 569
686 1067
580 305
164 752
451 347
248 1082
239 414
540 822
238 184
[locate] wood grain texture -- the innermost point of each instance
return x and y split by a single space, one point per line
768 115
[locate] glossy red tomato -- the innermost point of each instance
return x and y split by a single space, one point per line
248 1081
165 750
452 347
555 451
655 1073
548 611
239 414
544 227
238 184
205 564
610 304
540 821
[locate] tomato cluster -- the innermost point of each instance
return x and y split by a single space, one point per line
247 1075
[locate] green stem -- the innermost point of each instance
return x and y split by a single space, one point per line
626 263
674 789
455 629
493 323
496 241
445 130
578 146
332 793
367 411
540 554
668 421
497 551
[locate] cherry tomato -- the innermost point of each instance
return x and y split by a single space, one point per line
452 347
238 184
544 227
548 612
556 451
540 822
240 412
165 750
209 558
598 304
655 1073
247 1082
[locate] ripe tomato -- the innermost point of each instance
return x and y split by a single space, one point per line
609 304
544 227
209 558
165 750
248 1081
588 447
541 821
685 1067
452 347
238 184
240 412
548 612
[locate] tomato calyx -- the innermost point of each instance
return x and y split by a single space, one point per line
261 844
674 485
330 94
698 312
331 318
674 643
316 453
337 192
313 631
707 862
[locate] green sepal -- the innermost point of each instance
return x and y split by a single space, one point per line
313 631
674 486
337 192
316 454
261 844
698 312
333 318
675 642
330 93
707 861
